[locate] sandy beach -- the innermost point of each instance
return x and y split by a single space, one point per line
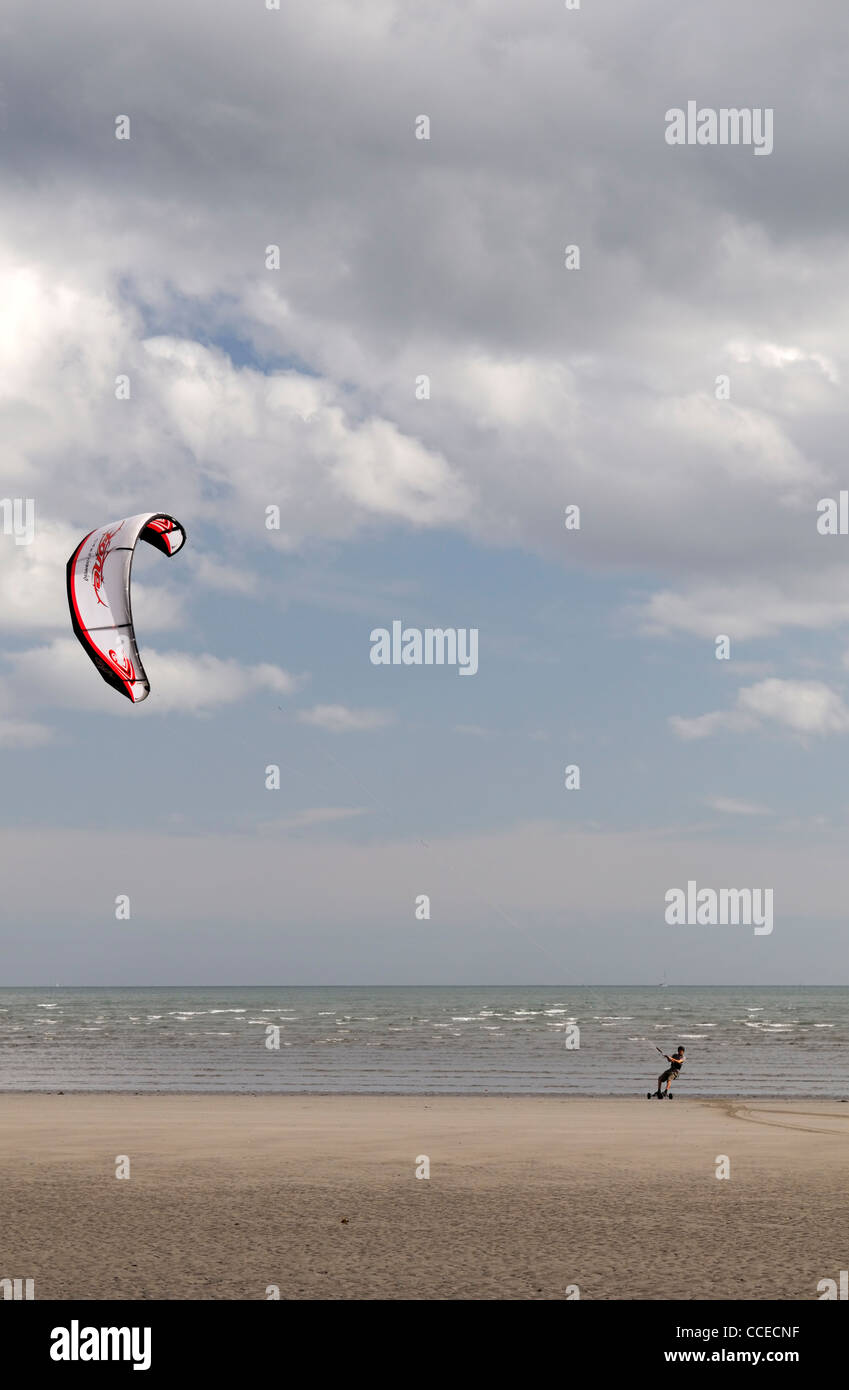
319 1196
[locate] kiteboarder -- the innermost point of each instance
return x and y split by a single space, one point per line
676 1062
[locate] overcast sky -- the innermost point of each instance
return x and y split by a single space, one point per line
549 387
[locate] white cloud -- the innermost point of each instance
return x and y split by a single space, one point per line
338 719
312 816
704 725
751 608
252 438
679 288
729 806
60 674
183 681
227 579
775 356
32 582
804 707
32 577
17 733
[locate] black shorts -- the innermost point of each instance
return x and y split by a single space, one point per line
671 1073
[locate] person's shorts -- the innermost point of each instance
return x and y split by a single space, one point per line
671 1073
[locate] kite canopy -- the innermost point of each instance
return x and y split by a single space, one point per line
99 595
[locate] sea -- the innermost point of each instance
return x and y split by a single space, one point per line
457 1040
